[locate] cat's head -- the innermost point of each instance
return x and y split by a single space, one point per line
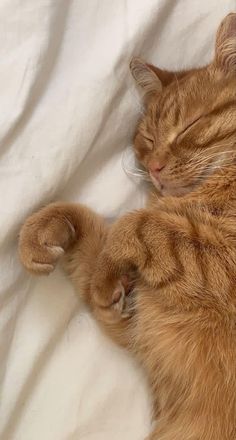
188 131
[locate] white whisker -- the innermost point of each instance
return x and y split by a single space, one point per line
195 163
131 168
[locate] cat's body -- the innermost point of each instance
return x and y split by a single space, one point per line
178 315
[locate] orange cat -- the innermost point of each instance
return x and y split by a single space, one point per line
162 280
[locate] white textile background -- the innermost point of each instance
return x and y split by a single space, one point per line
68 111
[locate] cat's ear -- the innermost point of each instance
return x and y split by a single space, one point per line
145 76
151 78
225 50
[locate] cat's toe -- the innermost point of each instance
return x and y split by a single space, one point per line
123 299
40 268
118 297
51 254
56 251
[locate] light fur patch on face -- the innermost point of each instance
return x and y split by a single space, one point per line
172 136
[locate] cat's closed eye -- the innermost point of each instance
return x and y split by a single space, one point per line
149 142
188 127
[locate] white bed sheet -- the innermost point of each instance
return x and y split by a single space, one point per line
68 110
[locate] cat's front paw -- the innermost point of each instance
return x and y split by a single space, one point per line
44 238
113 294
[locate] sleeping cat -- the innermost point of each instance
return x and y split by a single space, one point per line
161 281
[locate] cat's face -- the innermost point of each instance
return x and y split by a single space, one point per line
188 131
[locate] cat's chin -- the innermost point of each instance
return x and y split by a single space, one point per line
174 192
167 191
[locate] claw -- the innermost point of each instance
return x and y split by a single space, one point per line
56 251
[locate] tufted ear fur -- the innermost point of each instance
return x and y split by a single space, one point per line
225 50
145 76
152 79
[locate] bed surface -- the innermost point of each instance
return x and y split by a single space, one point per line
68 111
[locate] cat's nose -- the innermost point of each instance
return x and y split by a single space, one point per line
156 167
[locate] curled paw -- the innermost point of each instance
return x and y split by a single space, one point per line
115 296
44 238
122 298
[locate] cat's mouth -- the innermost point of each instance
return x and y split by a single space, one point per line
167 189
156 182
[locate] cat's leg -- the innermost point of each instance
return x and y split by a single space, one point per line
75 235
158 244
139 241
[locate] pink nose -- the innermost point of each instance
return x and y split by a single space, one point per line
156 167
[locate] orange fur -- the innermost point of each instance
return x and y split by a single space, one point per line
161 280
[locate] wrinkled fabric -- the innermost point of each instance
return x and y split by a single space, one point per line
68 111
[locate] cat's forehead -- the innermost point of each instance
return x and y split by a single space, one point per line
190 98
186 92
175 100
